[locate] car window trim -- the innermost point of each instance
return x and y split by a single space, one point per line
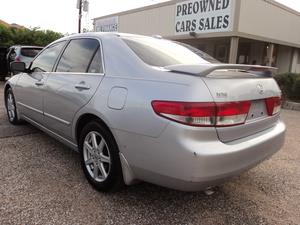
59 56
88 68
80 73
45 50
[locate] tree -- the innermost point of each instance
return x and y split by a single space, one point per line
23 36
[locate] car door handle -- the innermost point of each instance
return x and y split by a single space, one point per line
82 86
39 83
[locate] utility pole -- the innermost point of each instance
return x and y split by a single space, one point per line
80 15
83 6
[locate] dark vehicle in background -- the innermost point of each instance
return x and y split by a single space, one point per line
20 53
3 63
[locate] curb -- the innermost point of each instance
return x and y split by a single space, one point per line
291 105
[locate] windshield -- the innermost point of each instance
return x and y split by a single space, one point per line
30 52
161 53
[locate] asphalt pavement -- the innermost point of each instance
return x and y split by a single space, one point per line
41 182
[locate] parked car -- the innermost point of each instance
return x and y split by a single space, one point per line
3 67
20 53
144 108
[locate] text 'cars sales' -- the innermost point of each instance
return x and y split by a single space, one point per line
203 16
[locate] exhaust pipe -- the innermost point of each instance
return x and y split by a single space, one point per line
209 191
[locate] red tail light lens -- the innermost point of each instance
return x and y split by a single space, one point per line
203 114
273 105
17 59
190 113
232 113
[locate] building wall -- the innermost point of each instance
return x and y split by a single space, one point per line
262 21
158 21
267 20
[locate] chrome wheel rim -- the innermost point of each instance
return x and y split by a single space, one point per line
11 109
96 156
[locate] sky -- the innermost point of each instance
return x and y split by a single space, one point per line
62 15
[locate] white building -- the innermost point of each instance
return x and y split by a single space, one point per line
236 31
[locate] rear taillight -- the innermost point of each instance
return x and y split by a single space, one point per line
273 105
203 114
17 59
232 113
191 113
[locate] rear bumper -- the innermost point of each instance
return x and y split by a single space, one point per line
191 160
226 158
230 159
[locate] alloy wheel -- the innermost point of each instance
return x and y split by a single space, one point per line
11 109
96 156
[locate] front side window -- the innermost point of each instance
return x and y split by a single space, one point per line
161 53
45 61
78 55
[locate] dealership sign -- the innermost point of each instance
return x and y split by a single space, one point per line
107 24
204 16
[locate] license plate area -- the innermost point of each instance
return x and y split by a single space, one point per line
258 110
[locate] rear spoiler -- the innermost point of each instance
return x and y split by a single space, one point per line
205 69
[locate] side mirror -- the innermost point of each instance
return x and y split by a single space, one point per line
18 67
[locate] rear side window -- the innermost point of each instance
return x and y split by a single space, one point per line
30 52
96 64
45 61
200 53
78 56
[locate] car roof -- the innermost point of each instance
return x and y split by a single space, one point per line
25 46
106 35
102 34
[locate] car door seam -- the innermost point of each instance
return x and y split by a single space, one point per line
31 108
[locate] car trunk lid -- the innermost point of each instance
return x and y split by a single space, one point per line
238 83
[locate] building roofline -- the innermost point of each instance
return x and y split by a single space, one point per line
284 7
153 6
2 22
171 2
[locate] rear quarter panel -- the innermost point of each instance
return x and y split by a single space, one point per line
137 115
136 127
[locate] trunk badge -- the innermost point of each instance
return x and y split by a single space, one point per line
221 95
260 89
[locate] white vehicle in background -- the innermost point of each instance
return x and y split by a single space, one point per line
19 53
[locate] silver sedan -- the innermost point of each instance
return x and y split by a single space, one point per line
141 108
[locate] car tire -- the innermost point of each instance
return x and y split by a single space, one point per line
100 159
11 108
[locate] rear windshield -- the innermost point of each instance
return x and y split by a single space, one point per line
202 54
161 53
30 52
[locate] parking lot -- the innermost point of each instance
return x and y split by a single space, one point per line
41 182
